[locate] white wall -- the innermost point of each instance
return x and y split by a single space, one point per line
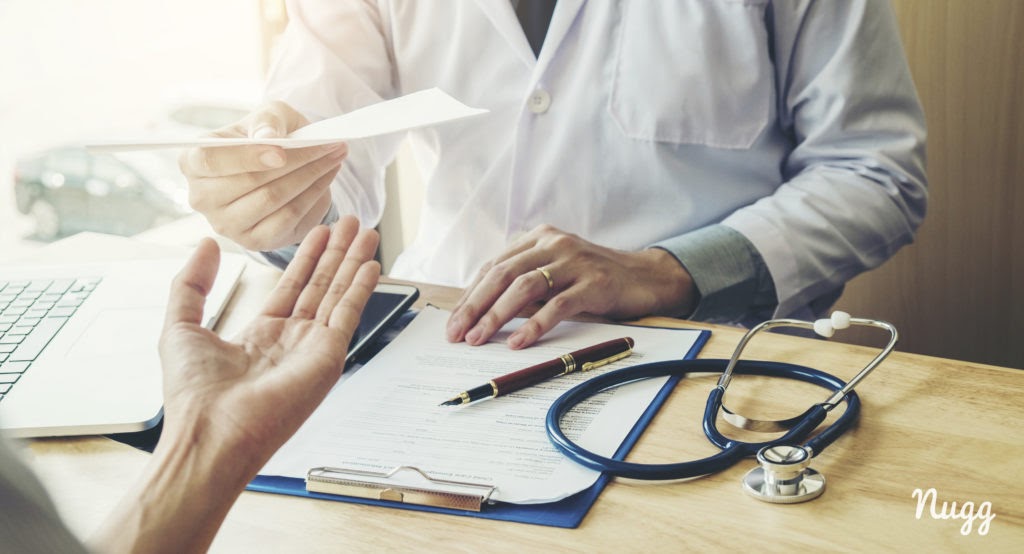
70 68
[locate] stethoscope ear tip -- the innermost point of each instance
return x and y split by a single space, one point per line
784 476
828 327
824 328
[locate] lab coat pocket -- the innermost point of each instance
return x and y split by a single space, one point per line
692 72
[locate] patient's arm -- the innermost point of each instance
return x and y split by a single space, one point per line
228 406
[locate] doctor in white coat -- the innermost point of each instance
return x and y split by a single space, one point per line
723 160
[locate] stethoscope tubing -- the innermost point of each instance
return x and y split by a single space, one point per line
732 451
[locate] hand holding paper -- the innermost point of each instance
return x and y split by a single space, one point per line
264 197
261 196
412 111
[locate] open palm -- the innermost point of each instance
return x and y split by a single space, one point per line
252 393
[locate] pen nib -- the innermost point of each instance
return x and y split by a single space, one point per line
453 402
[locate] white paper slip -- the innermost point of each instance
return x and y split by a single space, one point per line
425 108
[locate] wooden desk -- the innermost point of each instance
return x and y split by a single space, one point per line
926 423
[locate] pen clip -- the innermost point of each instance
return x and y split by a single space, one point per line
587 366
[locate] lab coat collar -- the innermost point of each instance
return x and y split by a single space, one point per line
504 19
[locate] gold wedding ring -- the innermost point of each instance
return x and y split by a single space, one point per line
547 277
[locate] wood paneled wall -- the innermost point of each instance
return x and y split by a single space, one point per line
958 291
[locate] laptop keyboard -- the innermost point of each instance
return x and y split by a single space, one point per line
31 314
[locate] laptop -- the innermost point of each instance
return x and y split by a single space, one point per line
78 344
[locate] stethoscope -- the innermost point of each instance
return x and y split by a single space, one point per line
783 476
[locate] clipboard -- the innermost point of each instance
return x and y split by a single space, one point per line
429 495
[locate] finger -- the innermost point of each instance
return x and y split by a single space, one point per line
363 249
201 162
300 166
342 234
192 284
276 119
562 306
526 242
282 219
290 232
279 205
314 216
346 313
237 170
271 124
233 130
491 286
282 299
224 161
519 246
524 290
191 160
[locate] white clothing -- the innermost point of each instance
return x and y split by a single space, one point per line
794 122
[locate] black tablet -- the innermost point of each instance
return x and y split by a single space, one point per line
385 305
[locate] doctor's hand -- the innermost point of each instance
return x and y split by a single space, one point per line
571 276
262 197
229 405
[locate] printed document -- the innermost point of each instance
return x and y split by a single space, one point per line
420 109
386 414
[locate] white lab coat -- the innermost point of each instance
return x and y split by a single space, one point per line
795 123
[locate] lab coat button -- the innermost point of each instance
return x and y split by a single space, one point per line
539 101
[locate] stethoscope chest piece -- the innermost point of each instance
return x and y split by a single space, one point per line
784 476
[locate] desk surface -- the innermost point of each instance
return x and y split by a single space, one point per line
926 423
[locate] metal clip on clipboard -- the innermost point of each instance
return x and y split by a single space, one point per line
404 484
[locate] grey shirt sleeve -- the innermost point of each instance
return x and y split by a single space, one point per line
28 519
731 277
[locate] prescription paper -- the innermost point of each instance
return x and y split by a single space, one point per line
425 108
387 415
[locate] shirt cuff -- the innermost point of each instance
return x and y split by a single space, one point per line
282 256
731 277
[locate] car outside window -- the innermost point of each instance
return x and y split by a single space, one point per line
70 164
111 171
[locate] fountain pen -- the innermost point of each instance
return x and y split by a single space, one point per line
582 360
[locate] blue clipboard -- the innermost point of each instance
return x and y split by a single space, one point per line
566 513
